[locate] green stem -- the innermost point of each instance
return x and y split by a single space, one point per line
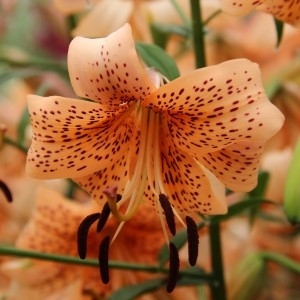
281 260
10 251
218 289
211 17
11 142
180 12
198 34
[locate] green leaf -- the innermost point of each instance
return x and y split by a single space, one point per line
184 280
160 37
9 74
240 207
133 291
24 121
156 57
260 189
162 32
257 192
279 30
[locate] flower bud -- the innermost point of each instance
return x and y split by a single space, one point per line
246 278
291 201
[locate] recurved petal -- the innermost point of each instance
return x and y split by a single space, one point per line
34 280
116 14
107 70
73 6
54 223
240 7
191 187
214 107
286 11
236 166
74 138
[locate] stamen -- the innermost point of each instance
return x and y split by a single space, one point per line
167 208
82 233
6 191
105 214
174 268
139 178
103 260
193 240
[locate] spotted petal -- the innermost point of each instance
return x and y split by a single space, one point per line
214 107
286 11
115 174
240 7
191 187
74 138
108 70
64 285
55 220
236 166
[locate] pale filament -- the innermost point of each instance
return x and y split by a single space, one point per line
148 169
137 184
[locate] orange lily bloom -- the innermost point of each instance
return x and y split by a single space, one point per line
284 10
185 139
53 229
117 13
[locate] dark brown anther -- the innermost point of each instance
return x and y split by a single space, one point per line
6 191
167 208
82 233
193 240
105 214
103 260
173 268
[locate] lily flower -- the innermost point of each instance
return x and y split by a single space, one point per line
284 10
52 228
181 141
117 13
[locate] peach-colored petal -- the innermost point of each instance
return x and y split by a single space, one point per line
30 271
240 7
34 280
190 187
214 107
105 17
285 10
107 70
114 175
55 220
277 164
236 165
73 6
74 138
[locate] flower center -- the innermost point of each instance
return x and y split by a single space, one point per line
147 168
